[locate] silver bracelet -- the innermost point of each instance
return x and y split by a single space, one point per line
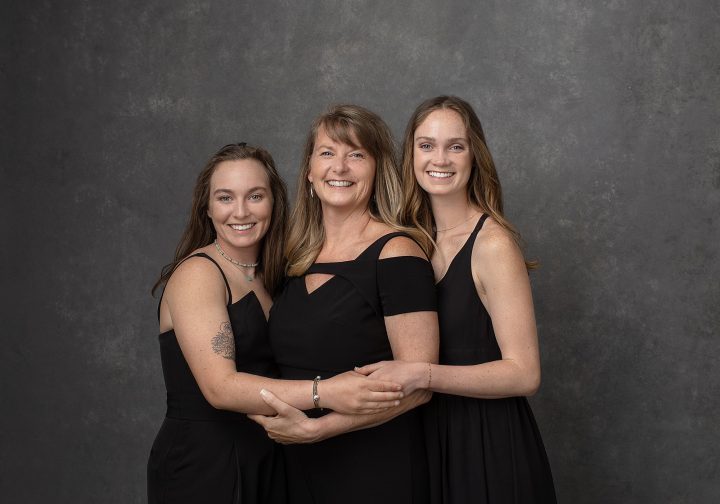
316 397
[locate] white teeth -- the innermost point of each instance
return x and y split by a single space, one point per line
241 227
438 174
339 183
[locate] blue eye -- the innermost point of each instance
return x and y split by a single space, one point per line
457 147
255 197
224 198
326 154
425 146
357 155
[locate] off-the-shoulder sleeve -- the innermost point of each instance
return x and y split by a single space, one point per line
406 284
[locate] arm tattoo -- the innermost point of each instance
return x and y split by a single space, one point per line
223 343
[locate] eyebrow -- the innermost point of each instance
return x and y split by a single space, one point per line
455 139
252 189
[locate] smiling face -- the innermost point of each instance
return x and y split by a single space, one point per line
342 176
442 158
240 205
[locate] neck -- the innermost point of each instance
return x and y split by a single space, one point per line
342 227
451 210
246 255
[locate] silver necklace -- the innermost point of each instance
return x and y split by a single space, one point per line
456 225
239 265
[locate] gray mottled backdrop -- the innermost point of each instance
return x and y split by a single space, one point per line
603 117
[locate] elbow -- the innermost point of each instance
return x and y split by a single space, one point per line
531 383
214 396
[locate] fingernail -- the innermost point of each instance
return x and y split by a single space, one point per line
263 392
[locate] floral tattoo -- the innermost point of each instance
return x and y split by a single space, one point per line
222 342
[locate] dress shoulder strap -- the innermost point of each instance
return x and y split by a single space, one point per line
374 250
478 227
200 254
466 249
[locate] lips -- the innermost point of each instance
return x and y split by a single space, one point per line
440 174
242 227
339 183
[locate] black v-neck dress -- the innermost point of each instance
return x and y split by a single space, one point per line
484 451
336 327
203 454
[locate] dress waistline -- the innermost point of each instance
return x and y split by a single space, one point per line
192 407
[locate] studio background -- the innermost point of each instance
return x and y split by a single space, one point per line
602 117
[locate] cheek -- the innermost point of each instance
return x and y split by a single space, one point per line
418 166
266 210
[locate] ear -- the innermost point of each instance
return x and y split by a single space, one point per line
310 177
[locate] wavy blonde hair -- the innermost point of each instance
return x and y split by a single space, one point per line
483 189
360 128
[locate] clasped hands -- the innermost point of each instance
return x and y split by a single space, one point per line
374 388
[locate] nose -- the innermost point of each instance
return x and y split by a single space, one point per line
440 157
341 166
242 209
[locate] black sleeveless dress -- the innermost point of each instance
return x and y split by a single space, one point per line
480 450
336 327
203 454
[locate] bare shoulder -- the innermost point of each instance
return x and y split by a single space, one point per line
401 246
196 273
494 245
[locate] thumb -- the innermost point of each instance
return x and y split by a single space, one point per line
280 407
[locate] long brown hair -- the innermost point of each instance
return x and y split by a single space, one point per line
200 232
483 189
346 124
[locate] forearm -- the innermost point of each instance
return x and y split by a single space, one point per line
490 380
334 424
241 392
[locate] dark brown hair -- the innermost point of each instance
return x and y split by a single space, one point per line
200 232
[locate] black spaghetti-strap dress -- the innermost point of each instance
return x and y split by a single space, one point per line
485 451
203 454
336 327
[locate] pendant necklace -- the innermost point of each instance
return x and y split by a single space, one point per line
239 265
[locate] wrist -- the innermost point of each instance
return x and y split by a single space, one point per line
426 379
316 393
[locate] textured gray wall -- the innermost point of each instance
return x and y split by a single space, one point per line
603 117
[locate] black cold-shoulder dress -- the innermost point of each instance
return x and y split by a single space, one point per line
330 330
485 451
203 454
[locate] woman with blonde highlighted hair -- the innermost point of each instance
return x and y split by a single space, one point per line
483 443
360 289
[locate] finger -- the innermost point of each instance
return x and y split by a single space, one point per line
282 408
366 370
382 397
377 408
384 386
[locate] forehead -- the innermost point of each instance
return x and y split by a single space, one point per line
239 174
443 123
337 134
